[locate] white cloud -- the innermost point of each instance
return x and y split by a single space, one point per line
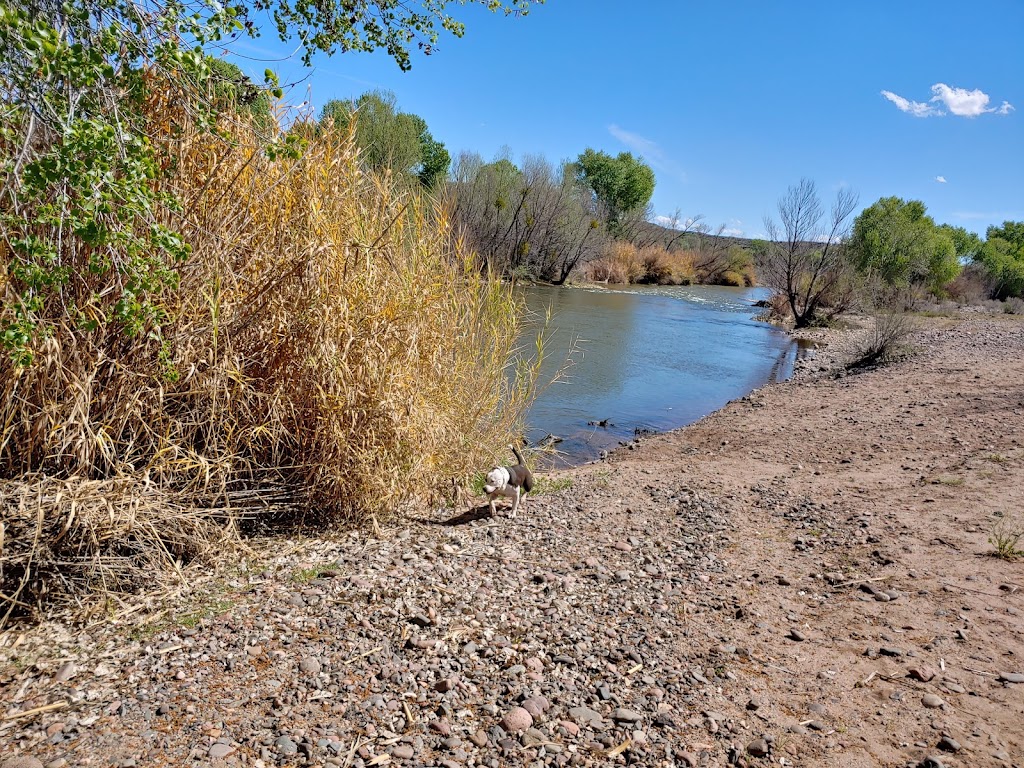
940 179
916 108
960 101
649 150
672 222
732 232
636 142
949 100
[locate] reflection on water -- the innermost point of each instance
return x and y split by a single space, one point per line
652 358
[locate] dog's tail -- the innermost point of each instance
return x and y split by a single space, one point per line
528 480
518 455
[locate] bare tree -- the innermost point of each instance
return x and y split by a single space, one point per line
804 258
525 221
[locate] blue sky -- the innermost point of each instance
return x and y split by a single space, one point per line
730 102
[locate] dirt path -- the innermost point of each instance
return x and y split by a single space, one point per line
803 578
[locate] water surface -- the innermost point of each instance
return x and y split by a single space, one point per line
649 359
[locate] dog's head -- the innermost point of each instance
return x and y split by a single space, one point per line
496 479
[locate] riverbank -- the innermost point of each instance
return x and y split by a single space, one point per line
804 574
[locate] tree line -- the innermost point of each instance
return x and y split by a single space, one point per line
589 216
823 262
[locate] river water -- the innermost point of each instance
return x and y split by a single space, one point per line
648 359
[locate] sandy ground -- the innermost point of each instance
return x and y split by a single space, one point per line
803 578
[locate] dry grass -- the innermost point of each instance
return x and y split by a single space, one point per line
330 340
886 341
624 263
1005 536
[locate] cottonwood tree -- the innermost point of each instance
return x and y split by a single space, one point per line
803 259
896 241
388 139
618 185
1002 255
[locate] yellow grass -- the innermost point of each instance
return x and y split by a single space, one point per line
330 342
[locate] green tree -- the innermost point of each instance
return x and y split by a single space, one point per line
390 140
897 241
231 89
80 191
966 244
619 185
1002 255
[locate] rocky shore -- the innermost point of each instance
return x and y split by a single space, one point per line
803 578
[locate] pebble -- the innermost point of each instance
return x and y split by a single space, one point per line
22 761
932 701
516 720
220 750
949 744
310 666
586 717
923 673
67 671
758 748
403 752
1011 677
797 635
623 715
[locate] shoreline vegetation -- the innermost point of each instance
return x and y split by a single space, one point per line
257 318
745 562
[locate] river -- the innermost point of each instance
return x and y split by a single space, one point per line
647 359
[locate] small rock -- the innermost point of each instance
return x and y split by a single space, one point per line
932 762
1011 677
220 750
441 726
623 715
754 704
932 701
924 673
516 720
949 744
66 672
403 752
796 634
23 761
586 717
570 727
310 666
443 686
758 748
890 651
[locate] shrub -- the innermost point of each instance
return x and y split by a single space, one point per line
972 286
620 264
325 340
1005 535
1014 306
887 339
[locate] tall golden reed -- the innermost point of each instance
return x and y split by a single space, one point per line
330 339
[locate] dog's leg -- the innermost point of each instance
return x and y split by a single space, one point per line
490 503
515 503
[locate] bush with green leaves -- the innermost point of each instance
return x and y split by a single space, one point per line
1002 256
896 241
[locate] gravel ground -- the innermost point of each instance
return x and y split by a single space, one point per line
802 578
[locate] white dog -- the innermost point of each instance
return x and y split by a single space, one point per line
511 482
